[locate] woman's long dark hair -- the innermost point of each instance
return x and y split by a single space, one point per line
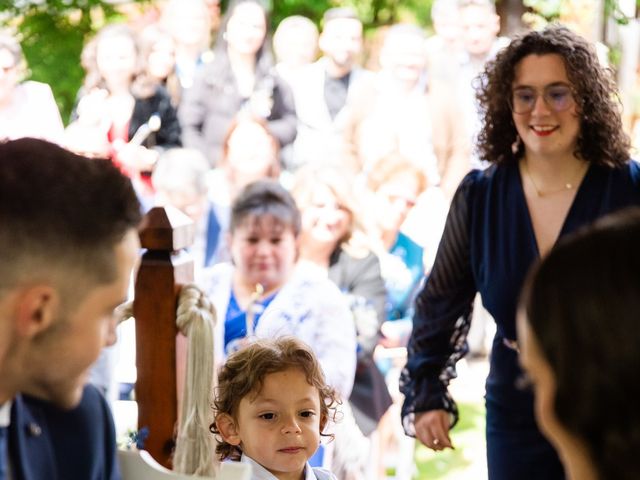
583 306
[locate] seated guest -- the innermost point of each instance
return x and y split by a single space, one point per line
189 24
68 243
239 78
249 153
158 51
119 100
295 44
578 335
262 294
394 185
322 90
332 240
27 109
180 180
273 395
402 110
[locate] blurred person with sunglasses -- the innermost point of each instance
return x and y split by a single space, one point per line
560 159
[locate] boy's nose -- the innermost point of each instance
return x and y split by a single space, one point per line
290 425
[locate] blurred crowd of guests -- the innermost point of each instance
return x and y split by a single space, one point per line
196 107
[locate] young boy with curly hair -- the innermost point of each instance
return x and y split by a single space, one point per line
271 407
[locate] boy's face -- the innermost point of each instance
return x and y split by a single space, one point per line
280 427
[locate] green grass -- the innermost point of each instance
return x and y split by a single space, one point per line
467 437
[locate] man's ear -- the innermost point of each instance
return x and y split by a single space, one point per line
36 308
228 429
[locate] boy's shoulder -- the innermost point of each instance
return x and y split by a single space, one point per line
321 474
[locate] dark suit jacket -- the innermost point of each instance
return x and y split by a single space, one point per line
46 443
208 108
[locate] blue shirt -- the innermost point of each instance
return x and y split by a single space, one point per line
235 322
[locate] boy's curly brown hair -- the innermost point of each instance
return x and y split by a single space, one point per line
601 140
245 370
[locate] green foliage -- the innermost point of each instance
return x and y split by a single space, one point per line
311 9
52 46
374 13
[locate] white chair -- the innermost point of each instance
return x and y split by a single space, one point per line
140 465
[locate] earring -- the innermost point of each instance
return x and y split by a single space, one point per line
515 146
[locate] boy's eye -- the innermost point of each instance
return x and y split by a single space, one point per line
276 240
308 414
268 416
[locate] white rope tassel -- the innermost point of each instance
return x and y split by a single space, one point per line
123 312
195 445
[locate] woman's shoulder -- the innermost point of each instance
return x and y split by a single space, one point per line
36 89
307 276
477 179
213 278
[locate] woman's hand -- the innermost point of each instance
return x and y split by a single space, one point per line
432 429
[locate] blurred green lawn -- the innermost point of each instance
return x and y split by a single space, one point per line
469 440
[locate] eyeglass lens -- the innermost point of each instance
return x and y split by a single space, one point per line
557 98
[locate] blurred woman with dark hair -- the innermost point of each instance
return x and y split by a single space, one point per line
262 294
241 77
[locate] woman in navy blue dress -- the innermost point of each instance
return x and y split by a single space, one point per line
553 133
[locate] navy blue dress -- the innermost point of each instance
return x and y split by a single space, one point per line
488 246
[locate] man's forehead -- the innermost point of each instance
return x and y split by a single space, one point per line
341 25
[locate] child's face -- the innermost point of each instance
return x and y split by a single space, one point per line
280 427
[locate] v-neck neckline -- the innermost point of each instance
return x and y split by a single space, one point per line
567 219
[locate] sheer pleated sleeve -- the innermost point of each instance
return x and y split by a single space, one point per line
442 317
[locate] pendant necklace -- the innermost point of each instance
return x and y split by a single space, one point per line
539 193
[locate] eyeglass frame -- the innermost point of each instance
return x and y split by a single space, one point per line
544 94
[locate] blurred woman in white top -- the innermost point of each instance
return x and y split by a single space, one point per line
27 109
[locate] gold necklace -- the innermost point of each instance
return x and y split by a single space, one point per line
539 193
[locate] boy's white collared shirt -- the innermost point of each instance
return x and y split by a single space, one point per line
258 472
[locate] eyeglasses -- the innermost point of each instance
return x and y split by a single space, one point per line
557 97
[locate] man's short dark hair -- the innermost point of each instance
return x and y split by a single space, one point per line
60 213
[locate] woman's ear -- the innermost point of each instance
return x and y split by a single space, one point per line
228 429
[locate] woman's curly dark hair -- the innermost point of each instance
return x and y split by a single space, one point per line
601 140
245 370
